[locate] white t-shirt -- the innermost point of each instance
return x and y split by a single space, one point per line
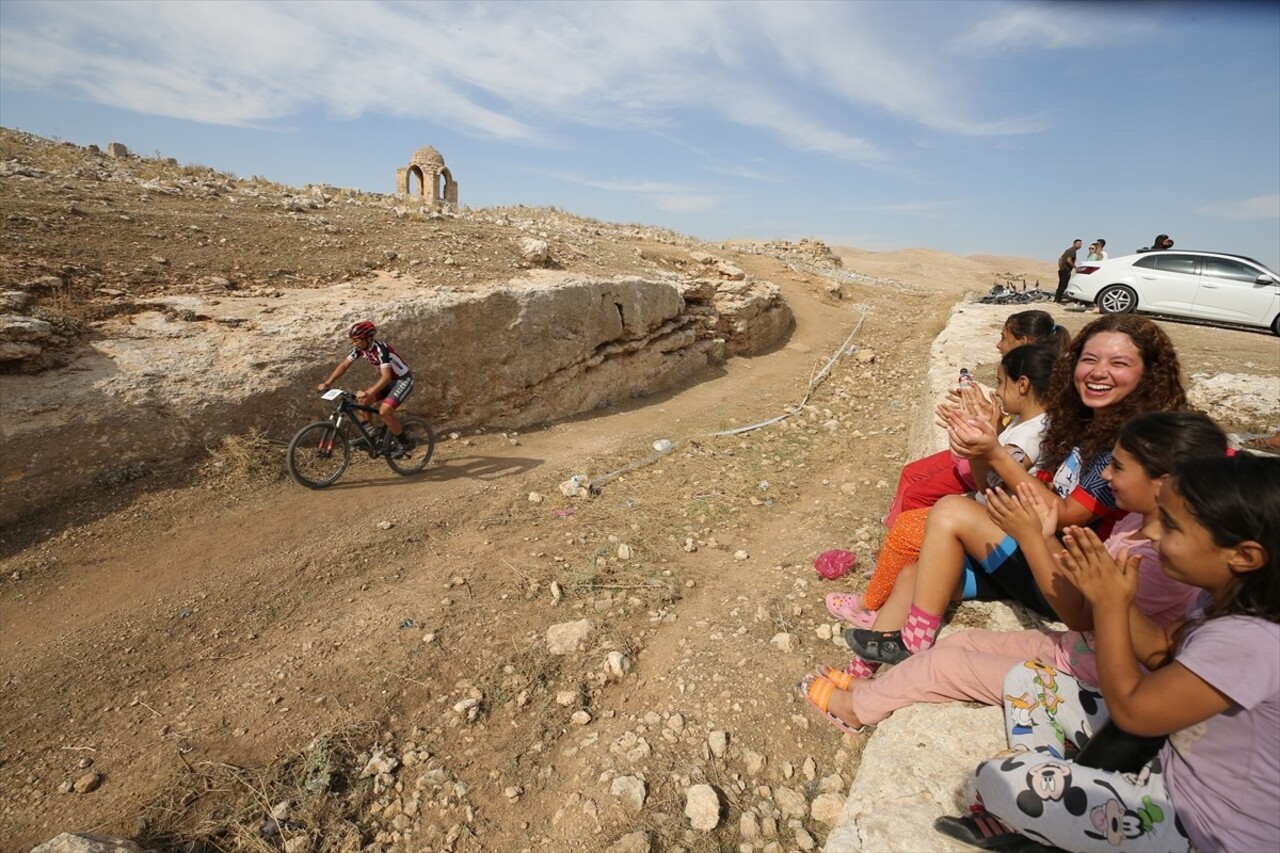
1022 440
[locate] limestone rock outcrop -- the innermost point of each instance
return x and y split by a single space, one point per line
156 388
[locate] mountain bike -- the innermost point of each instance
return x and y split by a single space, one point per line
320 452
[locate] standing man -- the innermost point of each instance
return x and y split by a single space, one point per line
1102 249
1066 266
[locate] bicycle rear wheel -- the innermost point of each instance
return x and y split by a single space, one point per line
318 455
424 444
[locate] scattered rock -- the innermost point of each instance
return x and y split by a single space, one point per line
86 783
616 665
702 807
632 842
568 637
535 252
630 791
826 808
784 642
84 842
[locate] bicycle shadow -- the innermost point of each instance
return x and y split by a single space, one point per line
441 470
480 467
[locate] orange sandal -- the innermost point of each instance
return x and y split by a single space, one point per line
816 690
838 677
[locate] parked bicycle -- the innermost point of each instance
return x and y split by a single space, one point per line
320 452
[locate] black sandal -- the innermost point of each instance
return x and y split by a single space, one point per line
987 832
877 646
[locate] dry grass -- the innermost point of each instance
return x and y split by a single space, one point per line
245 459
219 807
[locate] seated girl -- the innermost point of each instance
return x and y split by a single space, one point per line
924 481
1118 366
1022 384
972 665
1213 686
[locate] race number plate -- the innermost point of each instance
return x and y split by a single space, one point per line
331 394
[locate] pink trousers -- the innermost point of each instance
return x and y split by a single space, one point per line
964 666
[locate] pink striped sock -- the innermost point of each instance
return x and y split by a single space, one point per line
920 631
860 668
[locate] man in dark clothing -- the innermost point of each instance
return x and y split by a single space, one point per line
1066 266
1159 244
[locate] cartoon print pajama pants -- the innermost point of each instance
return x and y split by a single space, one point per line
1057 802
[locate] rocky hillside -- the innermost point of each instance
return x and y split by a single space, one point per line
168 306
212 658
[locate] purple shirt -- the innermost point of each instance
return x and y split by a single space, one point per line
1224 774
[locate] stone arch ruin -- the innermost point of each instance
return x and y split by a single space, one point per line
428 167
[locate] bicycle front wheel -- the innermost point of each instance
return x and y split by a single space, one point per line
424 444
318 455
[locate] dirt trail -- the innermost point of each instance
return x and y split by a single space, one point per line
161 633
193 618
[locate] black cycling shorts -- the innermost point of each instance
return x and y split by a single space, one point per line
395 393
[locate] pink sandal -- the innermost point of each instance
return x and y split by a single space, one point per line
849 607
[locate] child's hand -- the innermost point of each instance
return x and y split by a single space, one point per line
975 403
970 436
995 411
1033 496
1014 515
1102 579
945 409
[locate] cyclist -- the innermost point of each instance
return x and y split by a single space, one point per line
394 384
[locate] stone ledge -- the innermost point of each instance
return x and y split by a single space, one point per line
919 763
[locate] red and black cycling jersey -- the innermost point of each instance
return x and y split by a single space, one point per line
380 354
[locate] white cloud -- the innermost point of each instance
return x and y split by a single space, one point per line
885 64
750 174
805 73
1245 210
691 203
1056 26
624 186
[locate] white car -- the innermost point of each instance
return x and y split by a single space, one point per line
1212 286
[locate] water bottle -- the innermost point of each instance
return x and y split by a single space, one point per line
965 378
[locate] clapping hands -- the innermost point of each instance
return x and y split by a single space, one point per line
1023 515
1101 578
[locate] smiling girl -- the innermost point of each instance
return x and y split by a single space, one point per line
1117 366
1213 684
1022 381
925 480
972 665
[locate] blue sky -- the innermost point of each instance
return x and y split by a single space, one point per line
970 127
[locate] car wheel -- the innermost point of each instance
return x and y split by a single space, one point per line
1117 299
1275 325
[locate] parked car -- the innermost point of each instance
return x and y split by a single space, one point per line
1212 286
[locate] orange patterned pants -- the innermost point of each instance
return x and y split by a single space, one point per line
901 548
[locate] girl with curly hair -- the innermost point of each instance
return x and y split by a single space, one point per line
1118 366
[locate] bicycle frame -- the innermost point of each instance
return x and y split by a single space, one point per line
346 410
320 451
